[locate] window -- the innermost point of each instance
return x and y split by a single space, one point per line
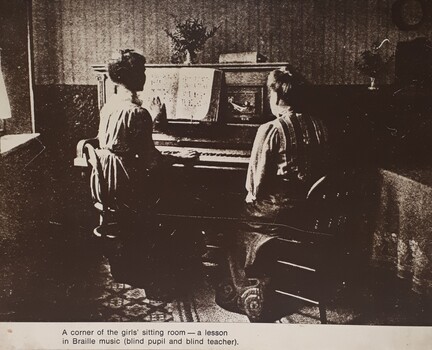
5 110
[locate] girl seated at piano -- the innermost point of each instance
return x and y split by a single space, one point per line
288 152
129 159
288 155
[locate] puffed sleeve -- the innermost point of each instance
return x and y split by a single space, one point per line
261 158
140 130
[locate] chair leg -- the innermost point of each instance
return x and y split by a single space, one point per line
323 313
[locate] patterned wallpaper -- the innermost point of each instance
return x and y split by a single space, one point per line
321 37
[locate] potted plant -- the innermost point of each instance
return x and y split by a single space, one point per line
188 38
371 63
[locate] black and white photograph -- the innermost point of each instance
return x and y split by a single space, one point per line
215 161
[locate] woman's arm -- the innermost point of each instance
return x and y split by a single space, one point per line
140 131
157 111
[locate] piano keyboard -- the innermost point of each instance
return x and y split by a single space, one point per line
212 155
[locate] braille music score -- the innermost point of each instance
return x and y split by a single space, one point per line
188 94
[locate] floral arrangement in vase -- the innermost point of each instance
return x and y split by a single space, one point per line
188 38
371 63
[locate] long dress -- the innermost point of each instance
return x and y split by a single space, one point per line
127 154
135 173
288 155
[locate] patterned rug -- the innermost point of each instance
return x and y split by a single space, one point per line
200 306
121 302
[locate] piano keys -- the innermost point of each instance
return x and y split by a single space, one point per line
225 159
211 158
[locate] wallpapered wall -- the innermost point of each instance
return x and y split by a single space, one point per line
322 37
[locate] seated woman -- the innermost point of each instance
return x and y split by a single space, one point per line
288 155
130 162
289 152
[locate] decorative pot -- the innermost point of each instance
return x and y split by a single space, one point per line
190 57
372 85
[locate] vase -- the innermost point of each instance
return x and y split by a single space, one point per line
372 85
190 57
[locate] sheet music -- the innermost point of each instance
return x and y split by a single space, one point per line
194 95
188 93
162 83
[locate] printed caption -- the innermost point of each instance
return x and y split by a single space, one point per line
149 337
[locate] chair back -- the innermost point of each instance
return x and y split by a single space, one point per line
312 263
337 201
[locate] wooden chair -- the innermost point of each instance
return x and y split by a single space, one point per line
313 260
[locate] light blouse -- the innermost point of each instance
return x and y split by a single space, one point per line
286 148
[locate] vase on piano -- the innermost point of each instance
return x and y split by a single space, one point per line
189 37
190 57
372 85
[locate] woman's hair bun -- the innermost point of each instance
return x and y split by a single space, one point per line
123 66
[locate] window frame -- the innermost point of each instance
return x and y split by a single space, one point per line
2 127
